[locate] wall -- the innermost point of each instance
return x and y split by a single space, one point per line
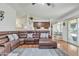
65 31
9 21
24 23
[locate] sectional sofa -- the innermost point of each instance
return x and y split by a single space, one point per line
9 40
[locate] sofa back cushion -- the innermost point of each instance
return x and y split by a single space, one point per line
11 38
15 36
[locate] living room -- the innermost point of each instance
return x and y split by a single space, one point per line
22 31
44 29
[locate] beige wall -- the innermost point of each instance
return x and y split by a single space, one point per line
9 21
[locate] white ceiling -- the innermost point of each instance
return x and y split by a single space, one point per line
56 11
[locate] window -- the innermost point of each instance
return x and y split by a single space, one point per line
57 29
72 31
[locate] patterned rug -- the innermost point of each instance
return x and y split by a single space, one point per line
35 52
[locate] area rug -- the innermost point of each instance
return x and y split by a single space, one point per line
35 52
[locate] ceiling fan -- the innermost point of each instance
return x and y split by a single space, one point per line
48 4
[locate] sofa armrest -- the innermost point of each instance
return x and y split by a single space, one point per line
5 44
6 47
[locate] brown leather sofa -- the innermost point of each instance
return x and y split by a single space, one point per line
6 46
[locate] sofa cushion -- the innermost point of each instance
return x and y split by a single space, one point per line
11 38
15 36
13 43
